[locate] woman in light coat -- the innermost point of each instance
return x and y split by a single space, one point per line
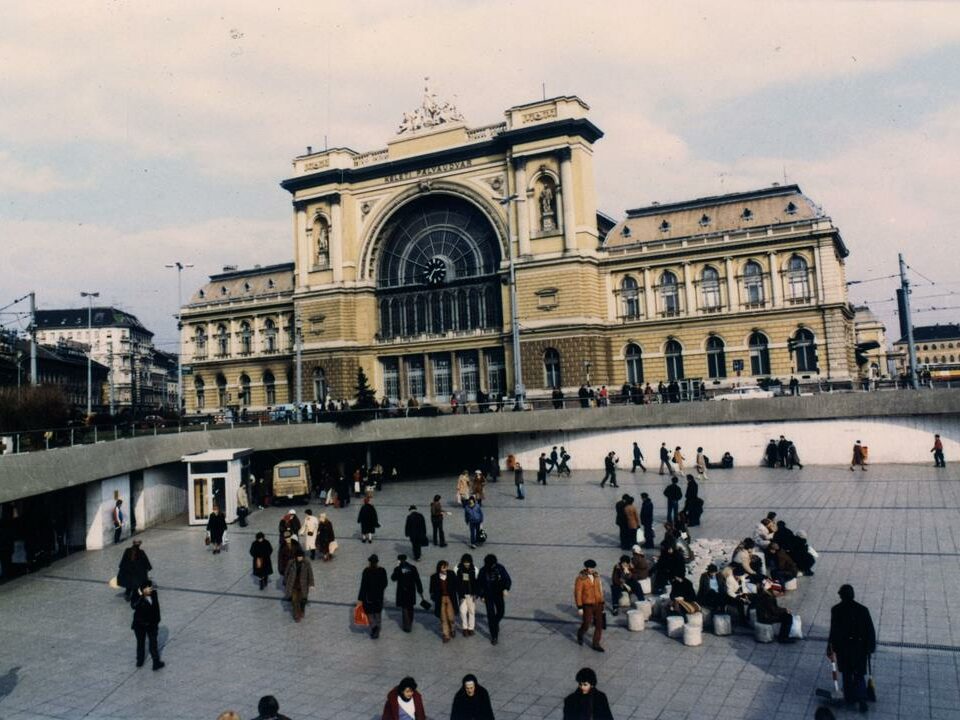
309 533
463 487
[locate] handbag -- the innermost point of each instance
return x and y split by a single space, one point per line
796 628
332 547
360 616
871 685
206 539
425 604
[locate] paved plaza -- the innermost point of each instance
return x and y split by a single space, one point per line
67 651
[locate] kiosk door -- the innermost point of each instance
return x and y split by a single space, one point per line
219 488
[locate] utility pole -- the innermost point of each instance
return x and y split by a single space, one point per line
90 296
112 403
298 363
908 321
34 379
518 389
180 267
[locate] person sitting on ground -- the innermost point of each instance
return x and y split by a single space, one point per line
782 567
744 561
769 613
639 565
802 554
682 595
709 592
763 535
735 594
784 537
622 581
669 565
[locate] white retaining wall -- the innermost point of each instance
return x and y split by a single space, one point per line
819 442
100 504
164 494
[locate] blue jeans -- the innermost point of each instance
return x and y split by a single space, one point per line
474 533
673 507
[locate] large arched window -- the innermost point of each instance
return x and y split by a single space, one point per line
673 353
630 298
805 349
270 388
759 354
439 259
710 288
223 341
798 279
221 390
244 390
320 387
669 294
246 338
200 338
753 283
551 368
269 336
198 387
634 359
716 357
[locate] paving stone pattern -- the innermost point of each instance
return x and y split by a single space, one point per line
67 651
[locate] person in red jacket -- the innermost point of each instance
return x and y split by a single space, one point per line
404 702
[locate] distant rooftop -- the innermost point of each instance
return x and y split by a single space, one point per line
927 333
268 280
100 317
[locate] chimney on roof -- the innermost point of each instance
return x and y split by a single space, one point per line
655 203
776 184
309 149
229 268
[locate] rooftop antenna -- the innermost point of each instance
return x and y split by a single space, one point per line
543 88
784 173
324 143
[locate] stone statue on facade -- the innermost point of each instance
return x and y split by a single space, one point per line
547 209
322 240
431 113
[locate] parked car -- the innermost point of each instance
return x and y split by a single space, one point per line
151 421
744 393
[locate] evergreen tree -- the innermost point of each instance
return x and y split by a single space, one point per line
365 394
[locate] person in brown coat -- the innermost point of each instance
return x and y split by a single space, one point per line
588 597
286 553
404 696
297 581
632 518
479 485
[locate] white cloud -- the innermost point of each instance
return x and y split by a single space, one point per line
19 176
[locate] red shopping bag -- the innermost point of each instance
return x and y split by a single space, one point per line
360 616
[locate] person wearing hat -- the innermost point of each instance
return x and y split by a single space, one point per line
134 569
588 597
586 702
416 530
373 584
404 702
289 523
852 641
261 551
640 566
286 553
407 578
146 622
472 701
622 581
297 582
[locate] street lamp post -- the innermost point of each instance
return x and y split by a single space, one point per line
518 390
90 296
180 267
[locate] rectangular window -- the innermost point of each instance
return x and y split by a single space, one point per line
391 378
469 373
442 387
415 380
496 373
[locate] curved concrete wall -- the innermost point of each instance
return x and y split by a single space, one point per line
689 423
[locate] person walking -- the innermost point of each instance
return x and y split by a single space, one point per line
261 551
463 487
416 530
326 538
134 570
308 532
588 597
586 702
297 583
473 514
700 464
436 522
468 587
518 480
243 506
937 451
146 623
678 461
673 493
859 457
637 459
216 528
472 701
409 586
368 521
494 584
373 585
286 553
665 460
554 460
117 521
404 702
610 466
620 519
563 467
852 641
445 593
542 469
782 446
693 507
646 520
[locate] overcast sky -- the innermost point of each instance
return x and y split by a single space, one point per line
136 134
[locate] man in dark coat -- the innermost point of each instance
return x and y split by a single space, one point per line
783 445
493 583
542 469
261 551
586 702
665 459
673 493
134 569
621 521
373 584
637 459
216 528
554 460
416 530
771 454
693 507
610 466
646 520
852 641
146 622
409 586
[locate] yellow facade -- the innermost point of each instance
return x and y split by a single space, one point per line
401 267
